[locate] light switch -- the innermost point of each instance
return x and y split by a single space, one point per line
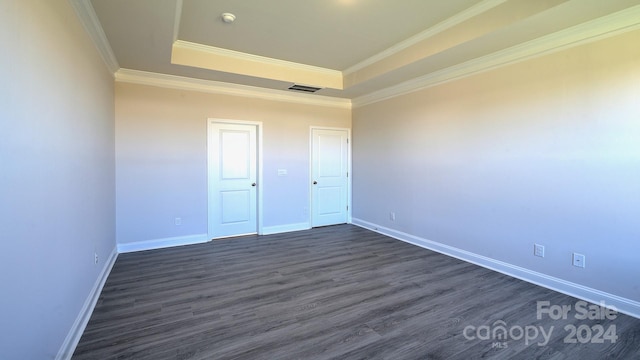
282 172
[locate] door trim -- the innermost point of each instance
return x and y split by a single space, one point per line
258 125
350 170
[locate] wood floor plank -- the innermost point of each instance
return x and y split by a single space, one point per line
337 292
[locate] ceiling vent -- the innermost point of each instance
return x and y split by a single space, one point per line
302 88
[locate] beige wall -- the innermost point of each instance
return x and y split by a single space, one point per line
57 176
161 157
545 151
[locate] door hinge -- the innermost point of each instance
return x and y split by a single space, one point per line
347 207
347 140
347 174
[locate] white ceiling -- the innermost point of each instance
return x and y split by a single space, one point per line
369 45
334 34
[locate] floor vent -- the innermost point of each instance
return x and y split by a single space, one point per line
307 89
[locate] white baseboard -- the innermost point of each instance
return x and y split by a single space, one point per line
623 305
162 243
74 335
270 230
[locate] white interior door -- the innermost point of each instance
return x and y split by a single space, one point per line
232 179
329 176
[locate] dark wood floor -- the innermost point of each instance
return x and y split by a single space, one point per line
337 292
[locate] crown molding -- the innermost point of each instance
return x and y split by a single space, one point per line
254 58
590 31
223 88
458 18
87 16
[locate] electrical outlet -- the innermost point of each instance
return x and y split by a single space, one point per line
178 221
95 258
538 250
578 260
392 216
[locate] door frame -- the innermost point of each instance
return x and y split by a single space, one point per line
349 170
258 125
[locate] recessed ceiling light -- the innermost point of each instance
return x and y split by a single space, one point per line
228 17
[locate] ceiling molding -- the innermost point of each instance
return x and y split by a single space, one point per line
426 34
590 31
255 58
223 88
87 16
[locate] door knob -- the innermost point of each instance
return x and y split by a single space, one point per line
254 184
315 183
